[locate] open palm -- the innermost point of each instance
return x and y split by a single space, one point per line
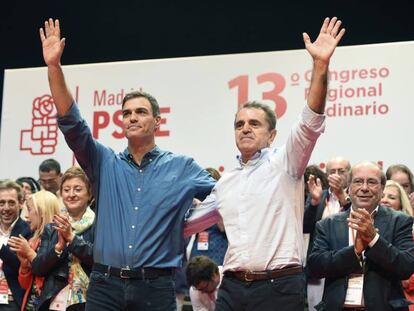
52 44
324 45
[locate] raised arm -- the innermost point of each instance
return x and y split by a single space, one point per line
321 51
53 47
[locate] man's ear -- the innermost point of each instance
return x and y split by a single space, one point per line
157 123
272 136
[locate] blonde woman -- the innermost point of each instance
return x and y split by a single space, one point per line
42 207
396 198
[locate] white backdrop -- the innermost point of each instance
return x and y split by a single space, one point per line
369 107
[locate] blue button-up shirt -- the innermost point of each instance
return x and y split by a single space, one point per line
140 208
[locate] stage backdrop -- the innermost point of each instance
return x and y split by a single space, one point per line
369 105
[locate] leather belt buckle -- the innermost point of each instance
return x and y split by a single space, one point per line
246 276
124 273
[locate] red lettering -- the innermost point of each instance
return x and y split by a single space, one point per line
160 132
100 121
117 119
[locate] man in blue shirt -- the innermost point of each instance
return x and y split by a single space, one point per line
142 196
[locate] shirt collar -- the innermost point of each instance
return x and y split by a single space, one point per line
256 157
152 153
7 234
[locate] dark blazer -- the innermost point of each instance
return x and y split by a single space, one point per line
55 269
388 262
11 263
312 214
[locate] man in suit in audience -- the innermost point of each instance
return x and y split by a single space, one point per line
363 252
321 204
11 198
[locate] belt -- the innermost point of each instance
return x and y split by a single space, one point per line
249 276
135 273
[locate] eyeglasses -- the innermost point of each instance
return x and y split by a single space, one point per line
371 182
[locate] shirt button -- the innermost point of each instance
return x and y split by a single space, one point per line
139 189
136 208
150 160
140 171
133 226
129 246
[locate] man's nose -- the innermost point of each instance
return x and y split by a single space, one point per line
246 128
134 117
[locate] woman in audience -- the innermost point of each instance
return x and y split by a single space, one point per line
29 186
396 198
42 206
402 175
64 257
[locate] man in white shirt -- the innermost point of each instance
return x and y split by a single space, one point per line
261 201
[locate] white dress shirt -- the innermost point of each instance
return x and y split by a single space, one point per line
261 202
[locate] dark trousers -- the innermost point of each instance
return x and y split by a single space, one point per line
281 294
106 292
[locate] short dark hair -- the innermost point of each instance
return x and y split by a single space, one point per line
200 268
136 94
34 185
318 173
50 165
270 114
400 168
12 185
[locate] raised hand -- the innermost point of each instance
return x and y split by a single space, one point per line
52 44
315 190
323 47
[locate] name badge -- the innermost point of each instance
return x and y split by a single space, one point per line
4 291
355 294
202 241
60 301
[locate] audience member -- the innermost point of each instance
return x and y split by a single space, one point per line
29 185
363 252
321 204
396 198
50 176
65 251
203 277
42 206
316 172
11 225
402 175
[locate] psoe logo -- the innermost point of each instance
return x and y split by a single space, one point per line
42 137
